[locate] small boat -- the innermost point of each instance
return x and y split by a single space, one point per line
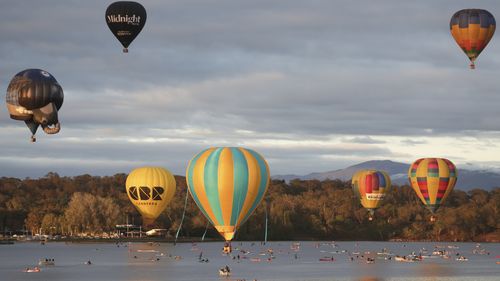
384 251
244 252
224 271
46 262
147 251
480 251
255 259
330 259
415 257
35 269
398 258
462 258
226 250
370 260
410 258
337 252
295 246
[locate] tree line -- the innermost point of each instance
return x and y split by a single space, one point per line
297 210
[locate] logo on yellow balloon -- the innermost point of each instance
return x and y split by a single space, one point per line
144 193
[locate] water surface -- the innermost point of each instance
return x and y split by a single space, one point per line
293 262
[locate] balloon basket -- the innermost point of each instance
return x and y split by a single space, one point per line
33 138
125 50
472 66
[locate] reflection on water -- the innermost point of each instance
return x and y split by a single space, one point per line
370 279
434 269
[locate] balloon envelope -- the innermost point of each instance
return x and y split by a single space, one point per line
432 179
126 20
370 186
472 29
150 189
35 97
227 184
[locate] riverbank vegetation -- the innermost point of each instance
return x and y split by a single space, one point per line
298 210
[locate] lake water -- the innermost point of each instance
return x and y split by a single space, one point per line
150 262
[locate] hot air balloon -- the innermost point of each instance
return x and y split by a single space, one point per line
370 186
34 96
126 20
227 184
432 179
472 30
150 189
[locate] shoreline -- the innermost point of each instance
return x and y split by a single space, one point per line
185 240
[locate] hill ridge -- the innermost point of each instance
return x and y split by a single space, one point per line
467 179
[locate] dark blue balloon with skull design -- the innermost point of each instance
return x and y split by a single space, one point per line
35 97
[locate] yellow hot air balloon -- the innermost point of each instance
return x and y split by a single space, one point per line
227 184
150 189
370 186
432 179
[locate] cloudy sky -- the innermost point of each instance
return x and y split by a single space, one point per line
312 85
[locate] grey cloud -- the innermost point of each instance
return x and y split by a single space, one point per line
204 72
365 140
412 142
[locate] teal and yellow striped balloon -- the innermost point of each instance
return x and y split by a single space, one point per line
227 184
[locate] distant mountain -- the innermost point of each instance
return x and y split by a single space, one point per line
467 179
